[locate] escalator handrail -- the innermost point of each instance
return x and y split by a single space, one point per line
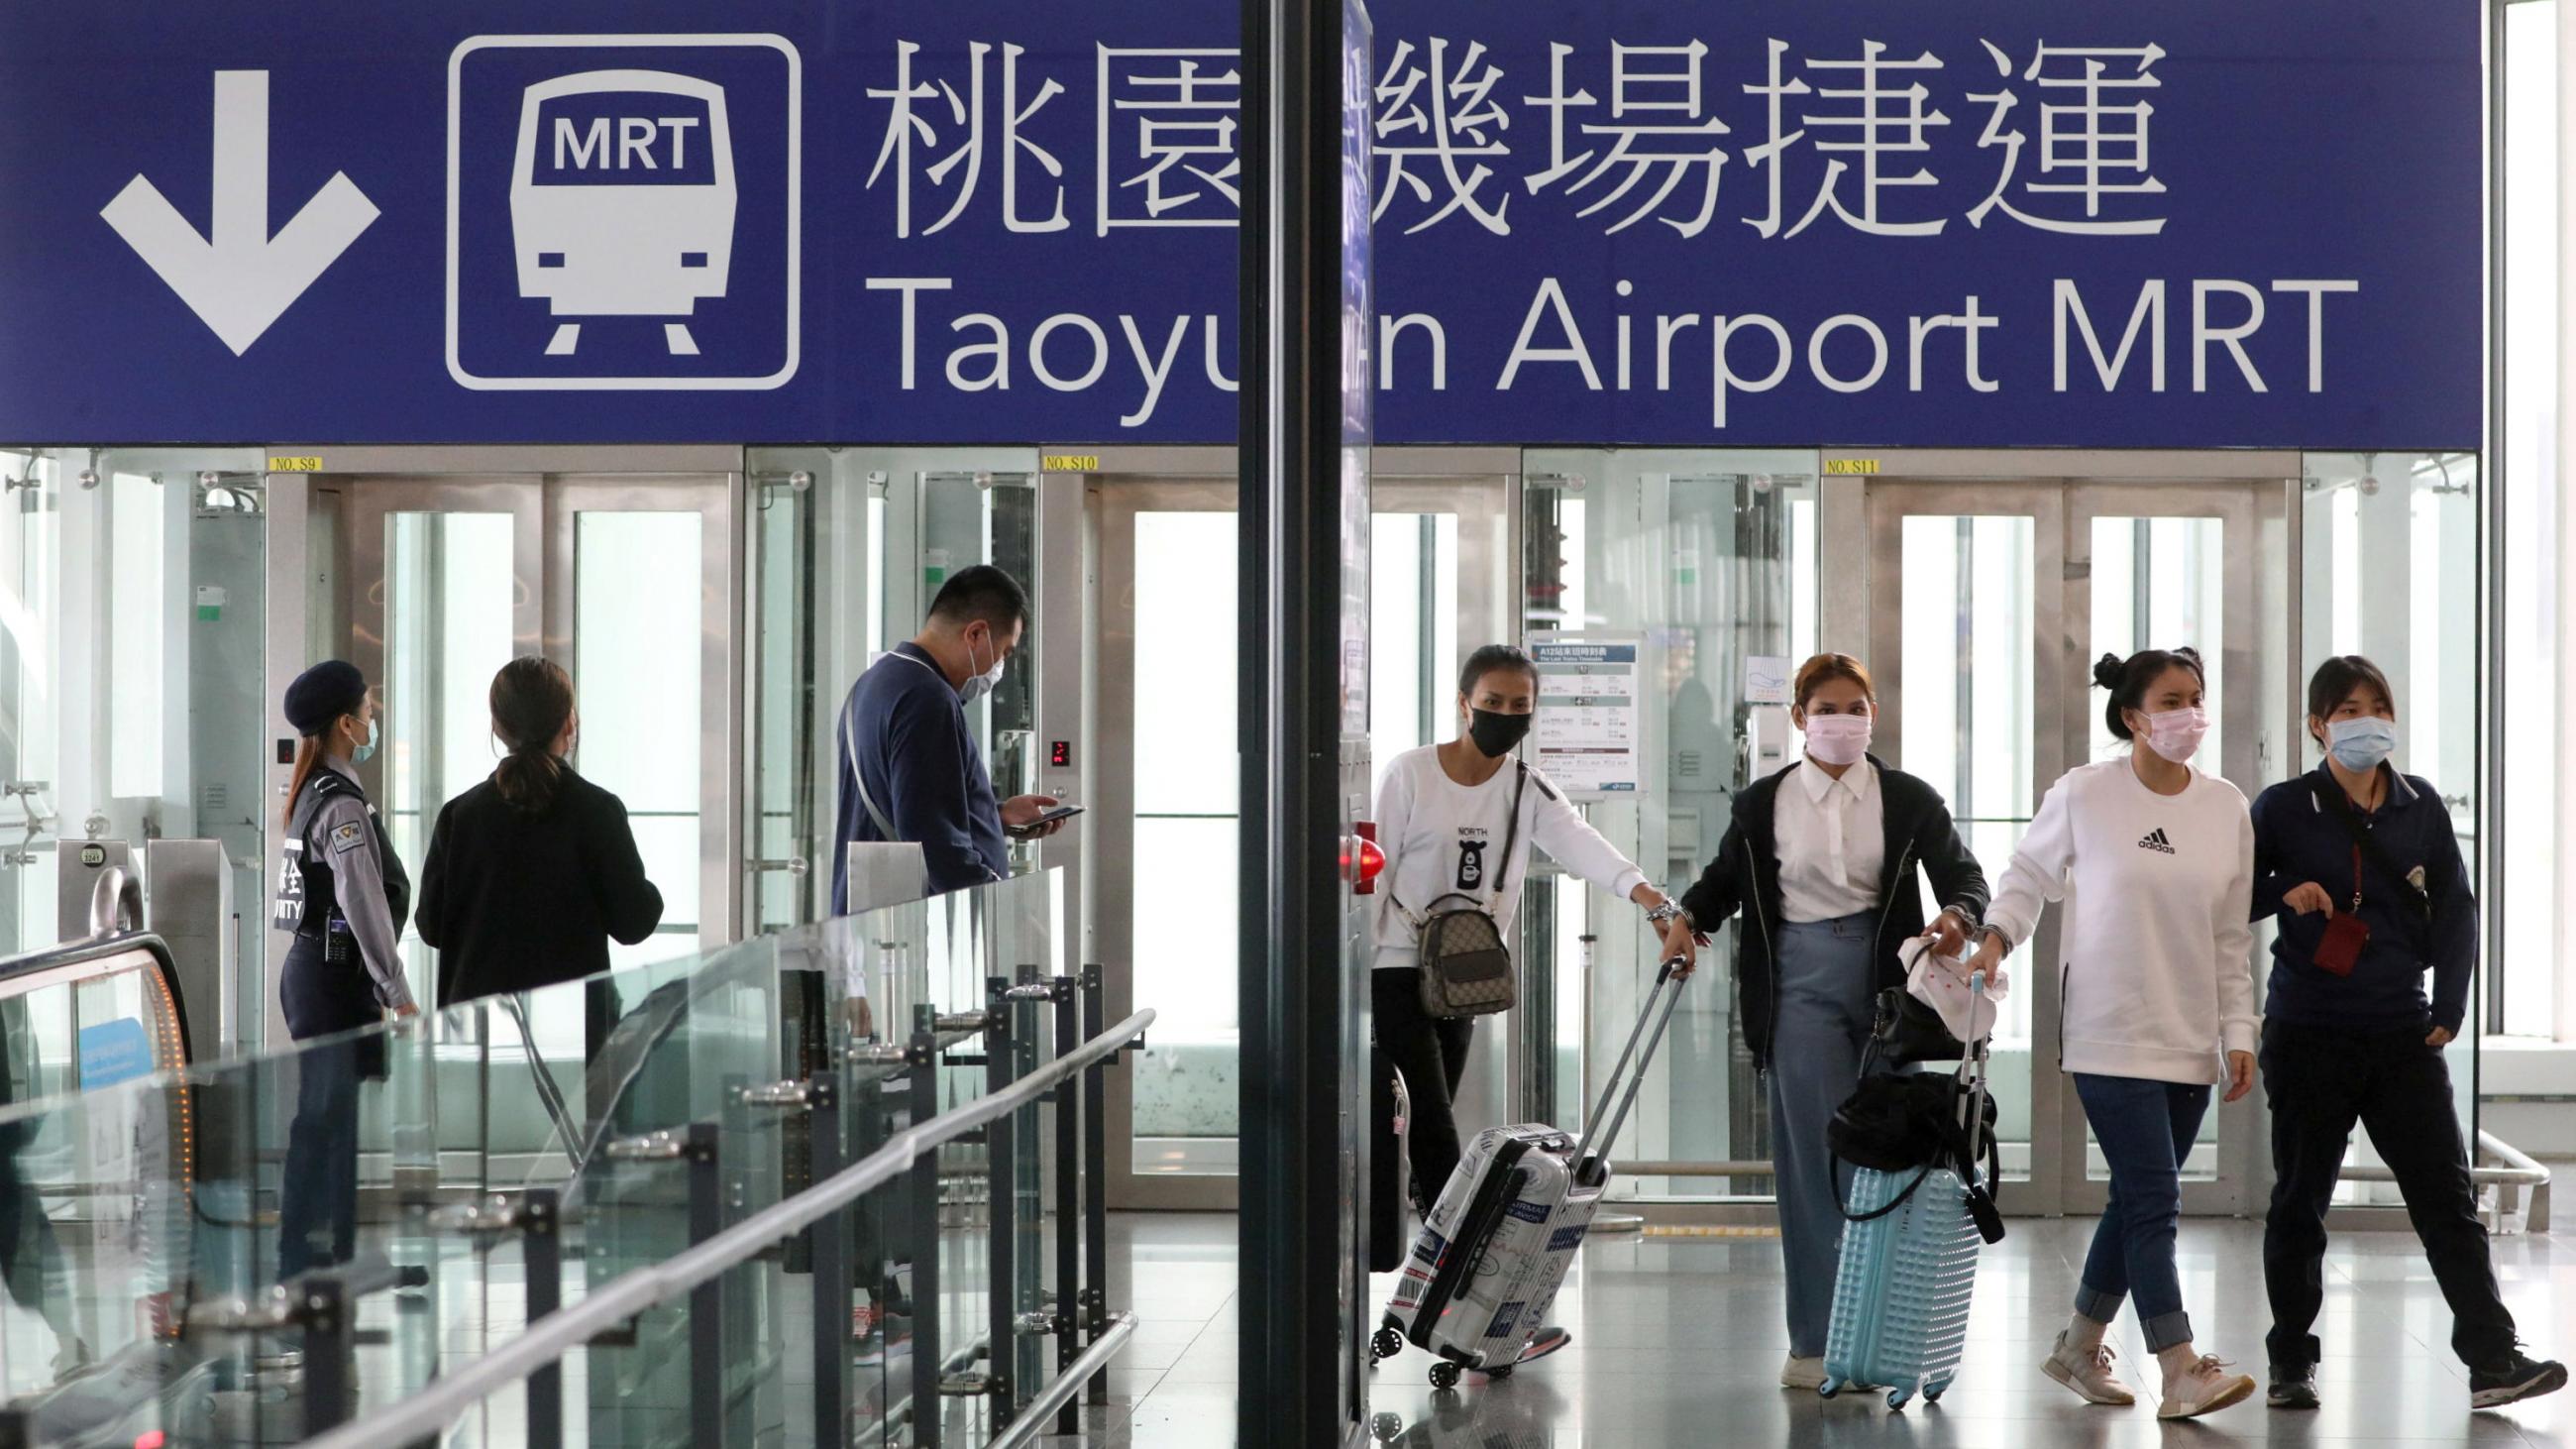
92 954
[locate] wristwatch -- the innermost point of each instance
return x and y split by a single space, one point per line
1669 910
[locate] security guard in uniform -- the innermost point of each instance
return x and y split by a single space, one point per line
344 894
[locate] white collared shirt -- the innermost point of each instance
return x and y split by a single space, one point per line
1832 839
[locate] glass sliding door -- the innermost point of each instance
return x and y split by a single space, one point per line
445 585
1989 599
1970 696
1166 831
629 585
1165 819
2161 566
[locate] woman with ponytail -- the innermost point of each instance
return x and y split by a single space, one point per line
2156 863
533 872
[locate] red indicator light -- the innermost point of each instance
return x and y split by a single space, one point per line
1362 860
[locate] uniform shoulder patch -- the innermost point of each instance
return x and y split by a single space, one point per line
346 838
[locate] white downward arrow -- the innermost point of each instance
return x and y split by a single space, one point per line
242 279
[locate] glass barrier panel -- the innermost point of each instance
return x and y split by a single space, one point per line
134 1208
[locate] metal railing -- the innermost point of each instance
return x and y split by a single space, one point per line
2512 1173
1074 1079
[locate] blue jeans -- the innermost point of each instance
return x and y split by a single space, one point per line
2145 1128
1825 1004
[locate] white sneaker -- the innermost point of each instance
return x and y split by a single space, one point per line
1803 1373
2203 1388
2087 1372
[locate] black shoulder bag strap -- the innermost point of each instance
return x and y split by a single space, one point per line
1511 833
1883 1209
2366 841
1503 867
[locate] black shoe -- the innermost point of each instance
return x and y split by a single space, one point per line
2294 1386
2513 1378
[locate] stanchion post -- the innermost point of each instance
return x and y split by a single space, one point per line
828 1244
1000 1200
1095 1179
323 1308
1068 1197
706 1301
927 1409
541 1253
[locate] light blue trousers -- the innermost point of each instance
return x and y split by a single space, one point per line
1825 1003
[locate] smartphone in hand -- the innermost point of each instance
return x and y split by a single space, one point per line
1061 812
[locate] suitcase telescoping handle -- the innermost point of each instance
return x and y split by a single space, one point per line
1600 1135
1972 1070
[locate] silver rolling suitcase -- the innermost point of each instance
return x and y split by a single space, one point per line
1486 1266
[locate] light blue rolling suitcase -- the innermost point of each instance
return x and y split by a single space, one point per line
1901 1289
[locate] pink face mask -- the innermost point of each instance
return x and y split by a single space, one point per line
1838 739
2176 733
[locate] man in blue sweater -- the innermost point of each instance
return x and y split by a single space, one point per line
2363 868
910 768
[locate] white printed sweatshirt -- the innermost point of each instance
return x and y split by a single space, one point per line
2156 939
1442 839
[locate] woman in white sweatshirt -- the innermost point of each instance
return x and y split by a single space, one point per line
2156 863
1457 821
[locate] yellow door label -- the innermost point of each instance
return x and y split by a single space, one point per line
1070 463
1850 465
299 463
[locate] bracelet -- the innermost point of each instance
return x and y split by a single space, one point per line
1669 910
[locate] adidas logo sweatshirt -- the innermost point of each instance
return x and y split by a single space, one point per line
2155 942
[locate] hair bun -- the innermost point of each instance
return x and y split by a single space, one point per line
2186 652
2106 671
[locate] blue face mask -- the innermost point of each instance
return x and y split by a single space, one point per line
367 751
2361 744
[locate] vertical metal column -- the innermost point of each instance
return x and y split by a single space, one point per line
706 1301
828 1242
1068 1200
541 1255
927 1410
1095 1183
1294 1268
1001 1204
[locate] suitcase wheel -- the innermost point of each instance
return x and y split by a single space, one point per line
1828 1389
1896 1398
1500 1371
1444 1375
1385 1344
1932 1391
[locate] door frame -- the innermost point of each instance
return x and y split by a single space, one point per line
2256 494
1129 483
1480 484
303 588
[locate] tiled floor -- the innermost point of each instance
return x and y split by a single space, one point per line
1678 1342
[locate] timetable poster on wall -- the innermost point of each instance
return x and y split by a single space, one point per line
1589 733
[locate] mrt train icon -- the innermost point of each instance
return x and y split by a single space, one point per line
622 199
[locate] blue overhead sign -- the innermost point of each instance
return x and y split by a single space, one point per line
1759 223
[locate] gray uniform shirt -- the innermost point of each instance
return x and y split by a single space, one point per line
347 838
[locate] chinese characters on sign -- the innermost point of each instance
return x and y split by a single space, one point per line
1618 139
1588 732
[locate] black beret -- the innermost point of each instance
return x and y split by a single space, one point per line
322 694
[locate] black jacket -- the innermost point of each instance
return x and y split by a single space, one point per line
514 901
1746 876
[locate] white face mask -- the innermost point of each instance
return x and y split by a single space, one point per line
1838 739
2176 733
981 684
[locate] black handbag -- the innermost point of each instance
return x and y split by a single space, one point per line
1906 1030
1913 1122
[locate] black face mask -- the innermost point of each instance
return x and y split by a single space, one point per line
1496 734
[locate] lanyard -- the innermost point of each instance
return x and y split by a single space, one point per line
2356 875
